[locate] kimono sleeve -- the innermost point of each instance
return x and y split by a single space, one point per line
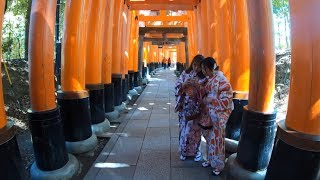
223 100
179 83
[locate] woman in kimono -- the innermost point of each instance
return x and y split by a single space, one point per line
188 108
217 102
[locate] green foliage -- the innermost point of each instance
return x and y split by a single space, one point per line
280 8
13 31
18 7
13 36
281 11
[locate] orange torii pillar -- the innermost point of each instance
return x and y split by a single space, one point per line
10 160
124 54
186 50
296 154
94 83
152 55
136 57
259 118
132 48
51 158
198 27
192 29
204 28
138 74
73 98
116 53
127 53
145 63
239 69
148 60
223 38
213 29
191 35
110 111
181 57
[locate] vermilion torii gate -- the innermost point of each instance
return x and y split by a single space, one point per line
95 56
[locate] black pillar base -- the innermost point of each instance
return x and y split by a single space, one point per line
144 72
48 139
75 115
10 164
108 97
96 97
136 79
149 67
235 119
131 79
127 84
256 141
234 171
295 155
123 90
116 80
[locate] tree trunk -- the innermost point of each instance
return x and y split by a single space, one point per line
27 30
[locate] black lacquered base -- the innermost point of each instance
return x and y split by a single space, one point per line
10 160
48 139
96 97
136 79
180 67
127 84
109 97
256 140
235 119
131 77
152 67
124 83
116 80
144 72
295 156
75 115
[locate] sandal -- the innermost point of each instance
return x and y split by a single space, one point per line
182 157
198 157
216 172
206 164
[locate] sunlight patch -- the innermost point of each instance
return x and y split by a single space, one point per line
142 109
111 165
108 154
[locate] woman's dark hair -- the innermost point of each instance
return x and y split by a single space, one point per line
209 62
200 75
197 59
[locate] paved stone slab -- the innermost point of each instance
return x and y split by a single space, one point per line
174 116
136 128
159 117
175 160
141 115
153 164
174 131
159 123
119 173
126 150
93 171
190 173
157 139
160 109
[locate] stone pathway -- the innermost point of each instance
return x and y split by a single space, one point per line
145 145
